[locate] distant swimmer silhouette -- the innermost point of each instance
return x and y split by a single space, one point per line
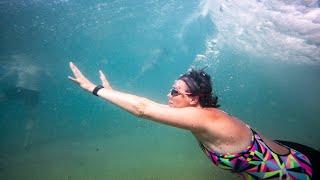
227 141
21 80
29 99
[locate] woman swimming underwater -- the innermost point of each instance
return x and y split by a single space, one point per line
227 141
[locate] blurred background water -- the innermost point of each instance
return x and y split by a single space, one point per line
263 56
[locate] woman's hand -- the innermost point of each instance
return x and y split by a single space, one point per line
105 82
80 79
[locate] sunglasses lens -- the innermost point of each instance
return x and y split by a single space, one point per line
174 92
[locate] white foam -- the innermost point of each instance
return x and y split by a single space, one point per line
288 31
210 57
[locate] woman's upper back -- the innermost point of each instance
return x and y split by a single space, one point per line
227 134
224 133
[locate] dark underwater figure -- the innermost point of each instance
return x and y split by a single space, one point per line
21 80
29 100
27 97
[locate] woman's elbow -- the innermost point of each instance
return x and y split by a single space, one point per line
140 109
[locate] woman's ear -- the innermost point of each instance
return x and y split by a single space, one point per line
194 100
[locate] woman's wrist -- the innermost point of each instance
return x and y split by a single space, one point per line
104 91
91 88
97 89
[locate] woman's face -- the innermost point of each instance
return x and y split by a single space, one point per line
179 96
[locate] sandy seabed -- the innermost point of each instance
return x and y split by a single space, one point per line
118 157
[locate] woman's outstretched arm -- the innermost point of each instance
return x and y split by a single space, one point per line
190 118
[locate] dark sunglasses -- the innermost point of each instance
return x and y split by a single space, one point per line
174 92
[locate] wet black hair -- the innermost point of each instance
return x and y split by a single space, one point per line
199 84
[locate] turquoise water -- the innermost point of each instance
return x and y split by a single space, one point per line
263 57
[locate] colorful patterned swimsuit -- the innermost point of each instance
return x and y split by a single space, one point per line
258 161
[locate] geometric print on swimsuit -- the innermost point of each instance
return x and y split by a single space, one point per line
258 161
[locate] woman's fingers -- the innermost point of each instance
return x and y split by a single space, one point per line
73 79
75 70
104 80
78 76
80 79
102 76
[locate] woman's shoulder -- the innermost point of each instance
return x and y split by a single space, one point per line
224 124
216 113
